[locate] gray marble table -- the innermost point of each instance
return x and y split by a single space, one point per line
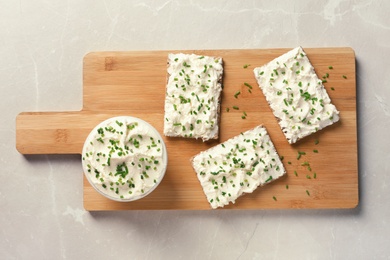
42 44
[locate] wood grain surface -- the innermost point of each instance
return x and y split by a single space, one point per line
133 83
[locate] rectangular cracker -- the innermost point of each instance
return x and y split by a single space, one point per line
193 95
296 95
237 166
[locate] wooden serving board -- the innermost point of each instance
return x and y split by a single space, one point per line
133 83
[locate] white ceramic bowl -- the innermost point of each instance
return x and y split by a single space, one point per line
124 158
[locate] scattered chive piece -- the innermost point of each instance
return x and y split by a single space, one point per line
248 85
332 88
330 67
308 176
308 193
305 164
316 141
315 175
315 151
289 162
237 93
286 186
227 109
295 173
236 107
281 158
345 77
246 66
300 154
274 198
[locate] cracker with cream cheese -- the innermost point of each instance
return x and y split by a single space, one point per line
193 95
296 95
237 166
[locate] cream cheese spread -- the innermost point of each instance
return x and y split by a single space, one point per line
192 101
124 158
237 166
296 95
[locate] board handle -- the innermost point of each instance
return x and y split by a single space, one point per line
51 132
64 132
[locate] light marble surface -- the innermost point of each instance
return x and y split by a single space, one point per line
42 44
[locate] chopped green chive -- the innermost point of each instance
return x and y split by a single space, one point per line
308 193
330 67
237 94
236 107
248 85
345 77
305 164
244 115
274 198
300 154
246 66
315 151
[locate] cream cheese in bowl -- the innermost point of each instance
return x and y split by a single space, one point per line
124 158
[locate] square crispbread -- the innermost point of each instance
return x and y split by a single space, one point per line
193 96
296 95
237 166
